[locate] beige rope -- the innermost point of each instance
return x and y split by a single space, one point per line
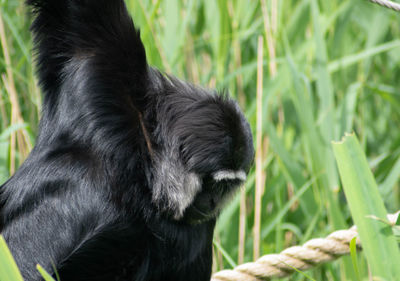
312 253
387 4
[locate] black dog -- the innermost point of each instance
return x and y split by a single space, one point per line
130 166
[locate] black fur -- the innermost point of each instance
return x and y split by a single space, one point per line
122 182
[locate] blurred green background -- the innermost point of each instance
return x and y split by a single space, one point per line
328 67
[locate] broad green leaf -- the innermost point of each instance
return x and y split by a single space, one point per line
379 244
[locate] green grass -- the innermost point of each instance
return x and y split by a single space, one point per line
8 269
379 243
337 70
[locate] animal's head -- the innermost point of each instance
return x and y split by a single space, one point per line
101 92
204 149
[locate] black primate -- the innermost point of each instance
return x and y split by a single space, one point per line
130 167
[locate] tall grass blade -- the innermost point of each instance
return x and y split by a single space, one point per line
379 244
8 268
259 154
44 273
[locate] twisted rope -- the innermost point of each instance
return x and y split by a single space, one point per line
312 253
387 4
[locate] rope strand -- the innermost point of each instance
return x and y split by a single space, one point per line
387 4
312 253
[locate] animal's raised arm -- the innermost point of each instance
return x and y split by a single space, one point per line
71 34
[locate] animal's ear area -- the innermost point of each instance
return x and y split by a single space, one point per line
174 188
